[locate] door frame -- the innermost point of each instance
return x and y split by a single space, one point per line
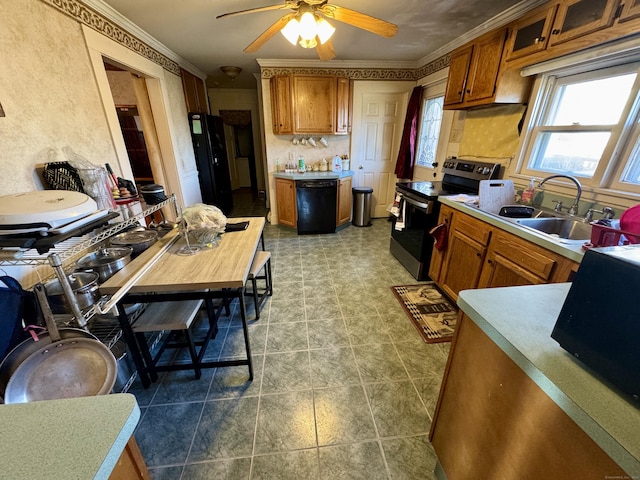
100 47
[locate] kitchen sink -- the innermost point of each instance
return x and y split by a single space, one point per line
561 227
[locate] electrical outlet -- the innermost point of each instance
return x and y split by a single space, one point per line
292 157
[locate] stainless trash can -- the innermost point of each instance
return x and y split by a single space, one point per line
361 206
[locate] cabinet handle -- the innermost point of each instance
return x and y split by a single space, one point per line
490 262
478 254
468 91
555 31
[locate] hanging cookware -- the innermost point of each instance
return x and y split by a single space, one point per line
105 262
85 290
66 368
139 241
24 350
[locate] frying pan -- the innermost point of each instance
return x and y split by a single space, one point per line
64 368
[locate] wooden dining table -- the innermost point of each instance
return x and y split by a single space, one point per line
217 272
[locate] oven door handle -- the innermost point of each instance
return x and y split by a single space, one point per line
426 207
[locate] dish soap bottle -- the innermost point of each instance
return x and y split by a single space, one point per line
528 193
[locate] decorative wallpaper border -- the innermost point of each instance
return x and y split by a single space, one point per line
93 19
363 73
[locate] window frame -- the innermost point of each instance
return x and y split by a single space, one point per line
434 85
607 173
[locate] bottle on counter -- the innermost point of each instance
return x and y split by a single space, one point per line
301 167
529 192
277 165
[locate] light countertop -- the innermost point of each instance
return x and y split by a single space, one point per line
520 320
75 438
572 251
314 175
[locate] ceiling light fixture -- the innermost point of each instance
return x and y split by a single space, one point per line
231 72
307 31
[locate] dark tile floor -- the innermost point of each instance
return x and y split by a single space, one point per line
344 387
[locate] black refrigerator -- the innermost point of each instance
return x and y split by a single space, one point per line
207 133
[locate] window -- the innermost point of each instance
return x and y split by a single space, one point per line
586 124
429 131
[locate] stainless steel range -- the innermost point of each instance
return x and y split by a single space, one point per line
419 208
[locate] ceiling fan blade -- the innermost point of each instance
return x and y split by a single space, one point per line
268 33
325 51
360 20
287 4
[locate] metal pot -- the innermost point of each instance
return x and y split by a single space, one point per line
139 241
105 262
85 289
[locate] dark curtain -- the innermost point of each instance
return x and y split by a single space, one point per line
407 153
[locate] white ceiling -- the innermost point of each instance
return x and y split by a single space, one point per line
190 29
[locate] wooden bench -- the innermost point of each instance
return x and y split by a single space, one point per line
261 261
174 317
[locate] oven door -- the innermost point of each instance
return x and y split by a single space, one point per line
412 245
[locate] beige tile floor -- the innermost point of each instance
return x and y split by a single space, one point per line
344 387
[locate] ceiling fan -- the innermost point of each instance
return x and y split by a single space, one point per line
307 26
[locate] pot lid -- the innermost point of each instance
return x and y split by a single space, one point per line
104 257
53 207
134 238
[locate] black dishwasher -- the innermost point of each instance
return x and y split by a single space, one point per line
316 200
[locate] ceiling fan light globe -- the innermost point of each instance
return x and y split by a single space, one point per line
308 43
291 31
308 26
325 30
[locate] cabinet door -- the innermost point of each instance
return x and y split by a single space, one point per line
344 201
343 102
281 104
630 10
314 100
458 71
468 242
195 93
286 202
485 65
513 261
576 18
530 34
438 256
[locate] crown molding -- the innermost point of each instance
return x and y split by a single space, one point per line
112 15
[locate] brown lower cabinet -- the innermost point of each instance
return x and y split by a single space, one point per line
479 255
286 202
493 422
130 465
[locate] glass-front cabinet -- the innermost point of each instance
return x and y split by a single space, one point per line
576 18
630 10
531 33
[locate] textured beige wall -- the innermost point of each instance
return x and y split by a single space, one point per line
121 88
48 92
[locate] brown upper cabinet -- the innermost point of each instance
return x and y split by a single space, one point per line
576 18
281 104
530 34
195 93
562 27
476 77
311 104
630 10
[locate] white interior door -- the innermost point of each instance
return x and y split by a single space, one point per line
376 149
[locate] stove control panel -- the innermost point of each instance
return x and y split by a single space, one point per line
473 169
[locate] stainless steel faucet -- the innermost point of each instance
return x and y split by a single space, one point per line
574 208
